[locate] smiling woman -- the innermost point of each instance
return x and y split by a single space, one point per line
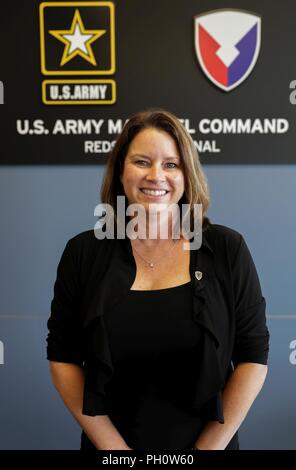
155 151
153 169
153 344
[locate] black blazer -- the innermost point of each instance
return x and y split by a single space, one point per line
93 275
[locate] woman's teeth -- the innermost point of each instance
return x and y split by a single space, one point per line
154 192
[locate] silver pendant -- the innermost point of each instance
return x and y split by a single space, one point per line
151 265
198 275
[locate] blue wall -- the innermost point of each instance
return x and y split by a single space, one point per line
42 207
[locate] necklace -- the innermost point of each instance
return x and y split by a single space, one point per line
151 264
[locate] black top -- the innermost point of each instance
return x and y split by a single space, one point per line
153 342
94 277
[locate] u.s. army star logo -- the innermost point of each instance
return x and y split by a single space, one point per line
78 40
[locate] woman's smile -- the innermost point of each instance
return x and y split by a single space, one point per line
154 193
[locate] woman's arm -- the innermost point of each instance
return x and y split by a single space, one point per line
69 382
240 392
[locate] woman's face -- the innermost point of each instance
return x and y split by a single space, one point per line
152 171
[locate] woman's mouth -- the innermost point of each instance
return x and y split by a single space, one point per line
154 192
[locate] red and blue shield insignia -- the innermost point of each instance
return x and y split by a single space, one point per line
227 44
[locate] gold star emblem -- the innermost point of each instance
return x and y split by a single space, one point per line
77 40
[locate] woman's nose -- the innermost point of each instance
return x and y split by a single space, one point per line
156 172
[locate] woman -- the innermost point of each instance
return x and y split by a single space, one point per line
153 345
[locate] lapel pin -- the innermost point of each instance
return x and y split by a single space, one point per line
198 275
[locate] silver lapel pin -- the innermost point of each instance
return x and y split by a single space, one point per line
198 275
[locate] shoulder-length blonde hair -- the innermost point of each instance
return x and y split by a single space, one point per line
196 187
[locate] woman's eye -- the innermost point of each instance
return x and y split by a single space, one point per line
171 163
143 163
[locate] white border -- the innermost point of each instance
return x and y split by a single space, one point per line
255 56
